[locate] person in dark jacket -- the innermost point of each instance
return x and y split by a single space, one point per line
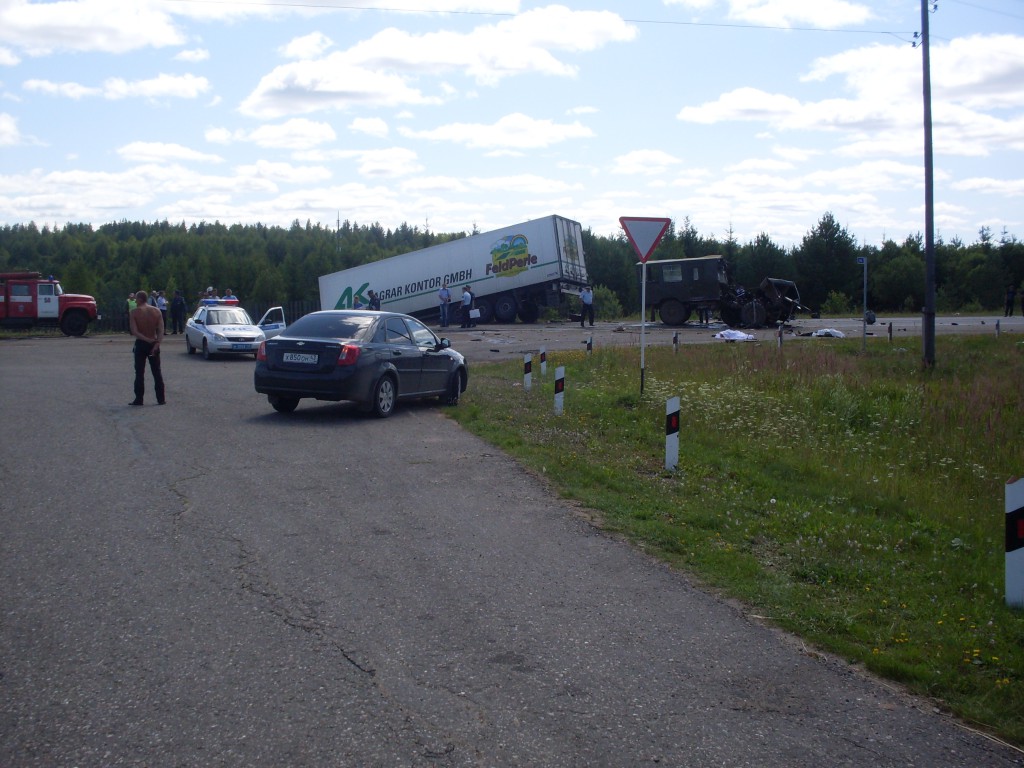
178 307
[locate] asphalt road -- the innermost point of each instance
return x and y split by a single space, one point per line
487 343
210 583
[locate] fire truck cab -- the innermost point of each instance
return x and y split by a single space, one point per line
28 299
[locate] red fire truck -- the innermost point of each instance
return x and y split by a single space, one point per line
28 299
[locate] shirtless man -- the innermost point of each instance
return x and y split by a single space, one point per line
147 326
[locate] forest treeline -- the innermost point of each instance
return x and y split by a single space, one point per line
269 264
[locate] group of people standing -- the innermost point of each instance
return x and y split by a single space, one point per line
466 304
175 308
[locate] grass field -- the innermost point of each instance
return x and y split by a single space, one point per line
855 499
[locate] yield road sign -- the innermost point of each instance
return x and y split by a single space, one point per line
644 233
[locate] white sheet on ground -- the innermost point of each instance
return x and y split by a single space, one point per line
732 335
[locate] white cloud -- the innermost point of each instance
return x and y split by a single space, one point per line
284 173
331 84
371 126
8 58
298 133
644 162
67 90
193 56
823 14
307 47
516 131
85 25
388 163
743 104
9 134
989 186
156 152
379 71
978 80
179 86
760 164
525 183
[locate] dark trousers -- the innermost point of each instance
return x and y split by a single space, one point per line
177 322
141 351
587 312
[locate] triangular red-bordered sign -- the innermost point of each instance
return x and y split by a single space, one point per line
644 233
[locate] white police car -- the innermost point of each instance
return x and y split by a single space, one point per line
222 327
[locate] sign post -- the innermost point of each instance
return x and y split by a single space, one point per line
1015 544
559 390
644 234
671 433
864 327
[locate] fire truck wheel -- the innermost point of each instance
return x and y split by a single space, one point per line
74 324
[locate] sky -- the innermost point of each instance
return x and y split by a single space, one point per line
744 117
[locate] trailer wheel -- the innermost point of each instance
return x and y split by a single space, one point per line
674 312
753 314
731 316
74 324
529 312
486 310
505 308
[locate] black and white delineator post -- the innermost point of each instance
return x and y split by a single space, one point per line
527 372
644 234
675 342
590 345
1015 543
543 362
559 390
671 433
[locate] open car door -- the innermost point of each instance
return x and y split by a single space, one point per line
272 323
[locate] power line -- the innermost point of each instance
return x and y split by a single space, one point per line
986 9
505 14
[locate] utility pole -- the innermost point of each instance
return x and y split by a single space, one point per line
928 319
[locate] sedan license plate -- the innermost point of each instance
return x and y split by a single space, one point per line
240 347
299 357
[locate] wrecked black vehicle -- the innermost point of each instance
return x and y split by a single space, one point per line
677 288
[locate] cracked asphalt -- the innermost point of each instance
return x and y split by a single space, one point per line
210 583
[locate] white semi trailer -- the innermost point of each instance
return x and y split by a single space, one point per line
513 272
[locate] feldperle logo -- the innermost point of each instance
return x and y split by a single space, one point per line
510 256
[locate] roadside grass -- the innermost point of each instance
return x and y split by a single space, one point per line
855 499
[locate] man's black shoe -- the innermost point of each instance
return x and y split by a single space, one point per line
135 402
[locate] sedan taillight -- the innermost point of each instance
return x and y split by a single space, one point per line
348 355
261 355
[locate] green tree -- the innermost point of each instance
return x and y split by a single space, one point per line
826 260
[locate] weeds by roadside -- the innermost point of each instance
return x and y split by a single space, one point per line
855 499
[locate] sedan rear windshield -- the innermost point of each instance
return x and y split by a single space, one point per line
331 326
